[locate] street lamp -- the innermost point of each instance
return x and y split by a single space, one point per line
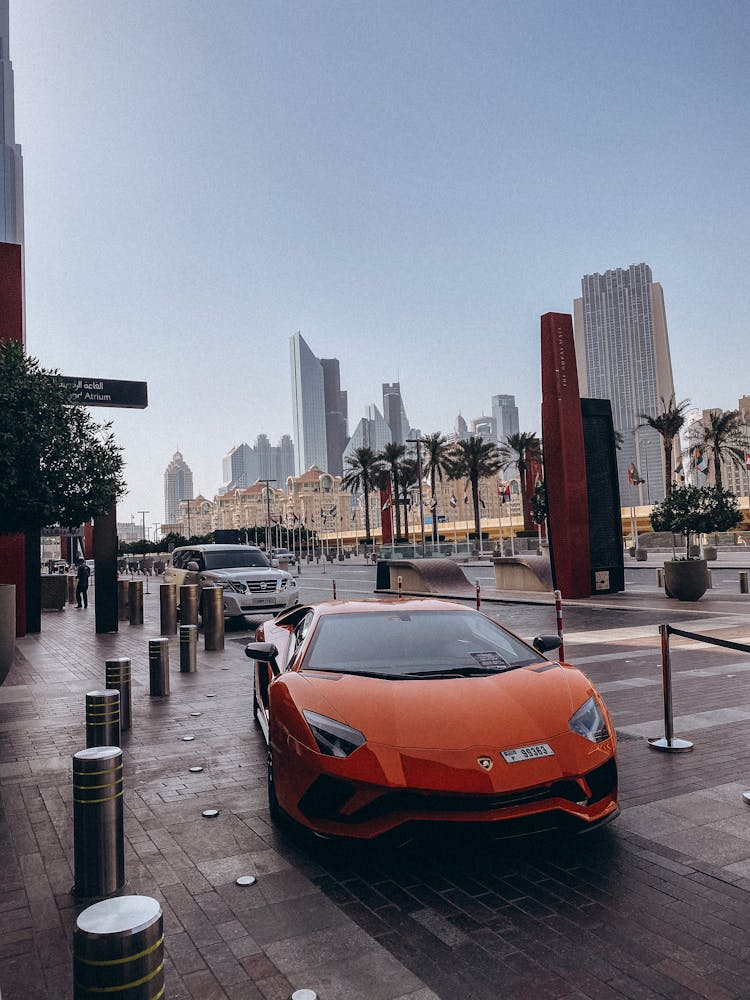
143 522
187 506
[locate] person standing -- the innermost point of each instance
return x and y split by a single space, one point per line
82 584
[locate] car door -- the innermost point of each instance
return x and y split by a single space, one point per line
287 635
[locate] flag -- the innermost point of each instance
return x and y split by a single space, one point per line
387 504
482 502
747 459
700 460
634 476
466 495
295 519
500 489
453 502
680 473
433 503
506 493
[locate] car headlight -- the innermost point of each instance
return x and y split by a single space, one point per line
333 738
589 722
290 583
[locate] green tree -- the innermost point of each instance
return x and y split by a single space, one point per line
436 465
723 437
57 465
520 450
363 468
692 510
668 422
475 459
392 456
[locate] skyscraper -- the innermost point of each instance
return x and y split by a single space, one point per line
505 412
336 407
11 163
178 485
308 407
622 354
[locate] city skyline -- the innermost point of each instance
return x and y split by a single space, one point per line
419 190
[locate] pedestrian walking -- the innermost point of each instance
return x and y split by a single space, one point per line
82 584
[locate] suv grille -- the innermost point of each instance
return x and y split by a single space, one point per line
262 586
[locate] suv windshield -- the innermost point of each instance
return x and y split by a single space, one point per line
415 644
234 559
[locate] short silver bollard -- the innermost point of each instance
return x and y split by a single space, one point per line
168 608
98 841
743 583
213 618
117 676
158 666
188 649
660 578
103 718
135 597
123 600
118 950
189 596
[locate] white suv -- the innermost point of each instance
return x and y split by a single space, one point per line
251 586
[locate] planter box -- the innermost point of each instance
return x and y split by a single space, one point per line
54 592
686 579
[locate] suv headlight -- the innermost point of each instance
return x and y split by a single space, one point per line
289 584
589 722
334 739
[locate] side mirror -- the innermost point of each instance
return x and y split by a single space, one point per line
264 652
546 643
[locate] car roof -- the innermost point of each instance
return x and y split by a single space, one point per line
215 548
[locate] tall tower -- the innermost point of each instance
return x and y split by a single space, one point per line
308 407
505 412
11 163
622 354
178 485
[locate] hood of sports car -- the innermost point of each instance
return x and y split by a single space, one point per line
527 704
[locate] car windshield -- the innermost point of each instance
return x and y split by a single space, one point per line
234 558
403 644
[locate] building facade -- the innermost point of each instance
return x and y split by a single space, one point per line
336 407
308 407
178 485
505 412
622 354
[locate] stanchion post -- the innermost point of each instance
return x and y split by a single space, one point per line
213 618
558 615
668 742
168 608
334 589
479 599
188 649
400 585
118 949
98 837
117 676
103 718
158 666
135 596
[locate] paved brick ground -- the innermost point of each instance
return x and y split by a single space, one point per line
657 905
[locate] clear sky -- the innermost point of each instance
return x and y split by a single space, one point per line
411 184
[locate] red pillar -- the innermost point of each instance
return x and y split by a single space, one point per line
12 547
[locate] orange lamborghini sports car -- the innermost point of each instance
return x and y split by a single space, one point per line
380 713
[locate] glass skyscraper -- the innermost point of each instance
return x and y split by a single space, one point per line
178 485
308 408
622 354
11 164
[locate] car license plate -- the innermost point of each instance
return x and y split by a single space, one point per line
527 753
263 600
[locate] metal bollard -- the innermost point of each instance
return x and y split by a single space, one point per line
189 595
158 666
135 597
743 583
400 585
334 589
98 842
118 950
660 578
123 600
70 582
709 579
479 598
188 648
103 718
213 618
168 608
559 617
117 676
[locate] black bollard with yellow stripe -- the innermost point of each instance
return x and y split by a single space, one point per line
118 950
103 718
117 676
98 836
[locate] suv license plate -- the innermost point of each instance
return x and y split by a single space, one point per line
263 600
527 753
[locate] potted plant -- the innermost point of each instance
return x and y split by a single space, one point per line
690 510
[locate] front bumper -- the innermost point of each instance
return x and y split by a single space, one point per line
269 603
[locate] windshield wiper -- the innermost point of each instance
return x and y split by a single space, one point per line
357 673
467 671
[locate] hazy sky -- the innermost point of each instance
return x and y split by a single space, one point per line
411 184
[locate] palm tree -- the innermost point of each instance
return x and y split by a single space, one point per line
520 449
724 437
393 455
437 462
668 423
474 459
364 467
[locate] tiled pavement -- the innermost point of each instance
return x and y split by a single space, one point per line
657 905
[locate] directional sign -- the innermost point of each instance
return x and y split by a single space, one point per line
107 392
